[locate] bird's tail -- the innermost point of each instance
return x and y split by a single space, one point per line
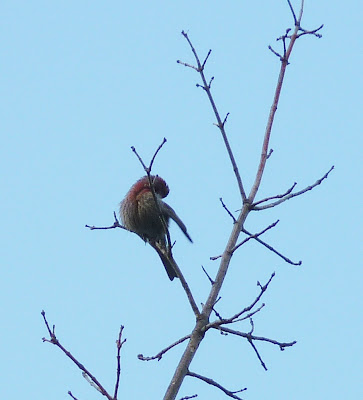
166 259
172 214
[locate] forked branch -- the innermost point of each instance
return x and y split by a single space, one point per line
220 124
85 372
212 382
284 63
162 352
288 195
197 335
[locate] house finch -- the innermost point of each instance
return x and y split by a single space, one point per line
139 214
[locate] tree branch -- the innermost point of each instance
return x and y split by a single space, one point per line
119 344
284 63
116 224
256 235
200 69
53 339
202 321
278 196
288 196
162 352
271 248
235 317
249 336
217 385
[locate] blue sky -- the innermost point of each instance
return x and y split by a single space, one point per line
81 82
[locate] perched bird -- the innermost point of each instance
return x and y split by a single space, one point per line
140 215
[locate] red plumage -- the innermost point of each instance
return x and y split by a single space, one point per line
139 214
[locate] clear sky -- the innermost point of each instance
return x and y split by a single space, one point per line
81 82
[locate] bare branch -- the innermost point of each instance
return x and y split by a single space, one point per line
276 53
53 339
162 352
205 61
251 236
225 207
189 397
210 83
73 397
146 169
278 196
203 319
218 315
119 344
256 235
290 195
271 248
210 279
187 65
116 224
284 63
220 124
234 318
282 345
252 326
225 119
217 385
292 12
89 380
156 152
167 253
257 354
312 32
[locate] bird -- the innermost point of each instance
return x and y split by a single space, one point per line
140 214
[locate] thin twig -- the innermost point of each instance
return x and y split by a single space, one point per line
206 59
257 354
73 397
233 319
187 65
146 169
225 207
282 345
53 339
251 236
156 152
218 315
210 279
291 195
252 326
162 352
116 224
217 385
225 119
292 12
278 196
271 248
119 344
270 121
256 235
275 52
220 124
312 32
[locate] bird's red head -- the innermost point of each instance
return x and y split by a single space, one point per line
143 186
